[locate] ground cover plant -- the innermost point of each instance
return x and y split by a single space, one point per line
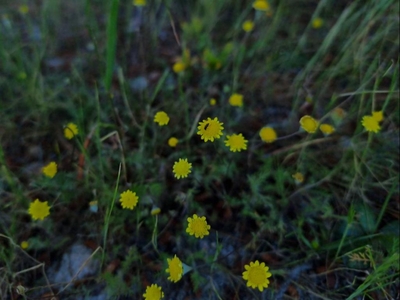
199 149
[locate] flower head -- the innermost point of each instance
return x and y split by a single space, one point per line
39 210
268 134
153 292
210 129
50 170
370 124
198 226
262 5
248 25
326 129
173 141
129 199
155 211
70 130
179 67
309 124
24 245
236 100
257 275
236 142
378 115
23 9
317 23
161 118
181 168
213 101
298 177
175 269
139 2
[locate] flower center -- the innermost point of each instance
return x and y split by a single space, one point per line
257 275
198 225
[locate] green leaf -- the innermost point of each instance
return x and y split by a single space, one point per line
366 217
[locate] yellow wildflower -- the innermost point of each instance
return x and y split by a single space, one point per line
268 134
317 23
39 210
257 275
139 2
236 142
181 168
175 269
309 124
213 101
370 124
198 226
23 9
129 199
153 292
262 5
70 130
248 25
210 129
24 245
298 177
236 100
161 118
50 170
378 115
155 211
179 67
173 141
326 129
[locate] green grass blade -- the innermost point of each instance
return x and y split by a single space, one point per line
111 43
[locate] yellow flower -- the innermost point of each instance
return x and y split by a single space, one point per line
50 170
236 142
39 210
175 269
153 292
24 245
173 141
161 118
198 226
298 177
210 129
179 67
213 101
326 129
262 5
317 23
139 2
70 130
370 124
268 134
23 9
155 211
309 124
248 25
182 168
129 199
257 275
378 115
236 100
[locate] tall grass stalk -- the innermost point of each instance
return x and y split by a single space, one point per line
111 43
108 215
